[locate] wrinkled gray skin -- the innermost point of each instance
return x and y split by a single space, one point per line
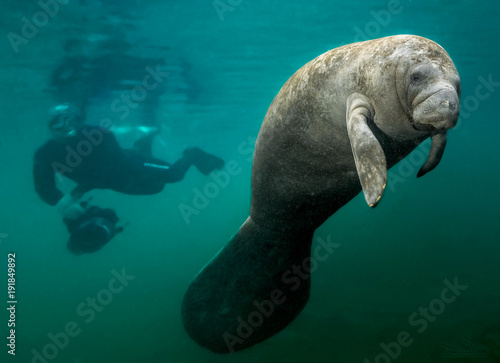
333 130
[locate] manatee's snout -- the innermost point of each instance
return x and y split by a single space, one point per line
436 109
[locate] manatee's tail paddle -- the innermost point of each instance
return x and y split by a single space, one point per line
253 288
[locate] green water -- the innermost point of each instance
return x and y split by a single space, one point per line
226 61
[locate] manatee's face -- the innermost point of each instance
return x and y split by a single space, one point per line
432 96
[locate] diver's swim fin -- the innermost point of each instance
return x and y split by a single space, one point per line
204 162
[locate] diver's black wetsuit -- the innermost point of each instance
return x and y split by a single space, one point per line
93 159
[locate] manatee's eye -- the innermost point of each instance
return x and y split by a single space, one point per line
417 76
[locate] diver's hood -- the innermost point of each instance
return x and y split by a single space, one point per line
91 235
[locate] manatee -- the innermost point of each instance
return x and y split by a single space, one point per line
333 130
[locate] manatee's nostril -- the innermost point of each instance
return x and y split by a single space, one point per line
449 105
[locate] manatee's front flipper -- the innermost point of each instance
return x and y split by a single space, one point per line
438 143
368 154
253 288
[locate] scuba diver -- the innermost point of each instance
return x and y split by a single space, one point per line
91 157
